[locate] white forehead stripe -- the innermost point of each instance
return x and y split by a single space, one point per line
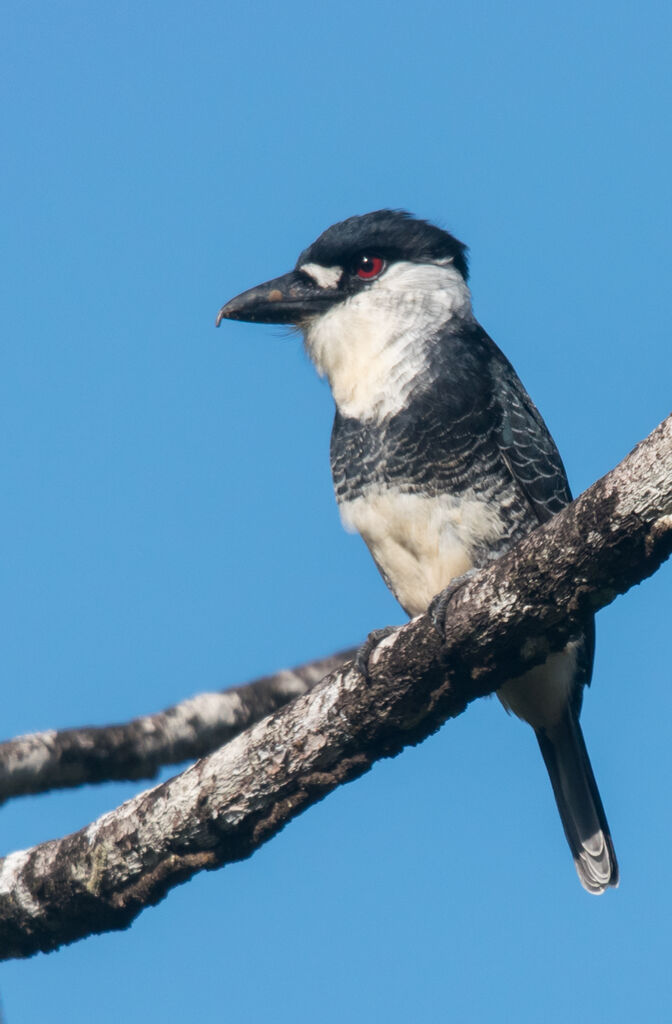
325 277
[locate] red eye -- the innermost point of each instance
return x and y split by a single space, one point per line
368 267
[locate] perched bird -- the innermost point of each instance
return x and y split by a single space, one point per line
440 459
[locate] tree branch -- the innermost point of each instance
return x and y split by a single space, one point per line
41 761
508 618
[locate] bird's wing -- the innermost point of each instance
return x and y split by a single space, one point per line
527 446
530 453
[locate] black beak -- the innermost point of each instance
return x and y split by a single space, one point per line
284 300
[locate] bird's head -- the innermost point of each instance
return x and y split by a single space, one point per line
366 288
348 259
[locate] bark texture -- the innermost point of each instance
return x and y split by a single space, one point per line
137 749
504 620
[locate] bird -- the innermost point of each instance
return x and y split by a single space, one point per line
440 459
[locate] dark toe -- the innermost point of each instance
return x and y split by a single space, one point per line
368 647
438 607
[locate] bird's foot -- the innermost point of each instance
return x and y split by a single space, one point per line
438 606
368 647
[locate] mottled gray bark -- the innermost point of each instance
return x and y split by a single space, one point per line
137 749
504 620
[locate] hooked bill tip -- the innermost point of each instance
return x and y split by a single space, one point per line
243 303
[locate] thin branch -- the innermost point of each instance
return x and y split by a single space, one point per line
137 749
508 618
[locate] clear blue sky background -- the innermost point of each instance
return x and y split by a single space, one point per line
167 518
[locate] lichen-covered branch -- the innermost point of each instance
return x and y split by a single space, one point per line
220 810
58 759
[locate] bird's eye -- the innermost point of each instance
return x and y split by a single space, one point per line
367 267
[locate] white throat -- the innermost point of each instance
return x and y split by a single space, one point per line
373 346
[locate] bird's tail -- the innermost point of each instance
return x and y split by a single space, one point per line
576 794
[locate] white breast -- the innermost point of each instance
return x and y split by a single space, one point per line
421 543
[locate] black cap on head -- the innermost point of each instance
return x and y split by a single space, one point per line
393 234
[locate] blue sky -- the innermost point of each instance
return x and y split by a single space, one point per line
168 519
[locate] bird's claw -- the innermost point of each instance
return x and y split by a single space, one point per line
438 606
368 647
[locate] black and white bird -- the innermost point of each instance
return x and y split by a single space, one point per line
440 459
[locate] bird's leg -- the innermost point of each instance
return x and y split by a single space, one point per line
368 647
438 606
